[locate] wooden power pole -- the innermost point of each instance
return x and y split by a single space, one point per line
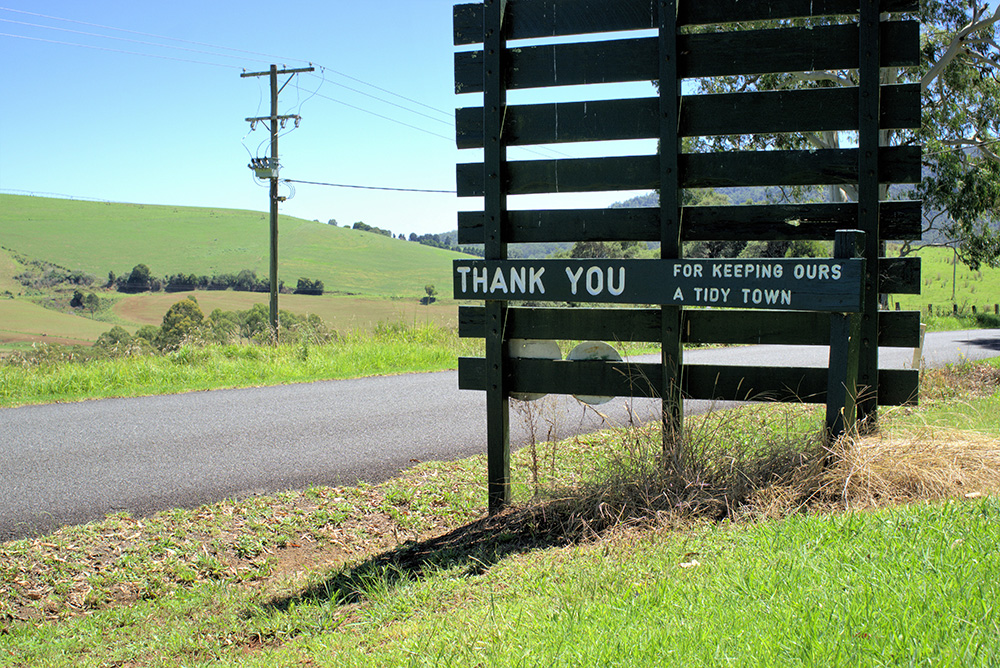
268 168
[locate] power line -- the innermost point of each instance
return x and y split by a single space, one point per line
387 118
129 53
399 106
241 51
384 90
121 39
146 34
345 185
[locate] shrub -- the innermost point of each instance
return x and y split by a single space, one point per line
181 320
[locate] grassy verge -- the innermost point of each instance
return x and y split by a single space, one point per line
53 373
732 557
389 349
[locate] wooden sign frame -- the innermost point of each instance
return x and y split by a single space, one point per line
850 323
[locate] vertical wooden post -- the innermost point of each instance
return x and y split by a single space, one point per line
495 207
670 225
868 201
273 266
842 378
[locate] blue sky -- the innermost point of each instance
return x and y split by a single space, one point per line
84 115
167 128
105 124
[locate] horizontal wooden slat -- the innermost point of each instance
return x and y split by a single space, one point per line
704 55
899 275
899 164
809 284
813 110
898 387
529 19
897 329
621 379
900 221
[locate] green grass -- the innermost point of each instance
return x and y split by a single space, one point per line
410 573
389 349
941 279
25 321
99 237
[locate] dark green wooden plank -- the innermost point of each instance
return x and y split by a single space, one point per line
568 175
748 327
899 275
869 170
845 346
794 284
898 387
671 247
900 220
704 55
732 11
812 110
567 225
495 207
897 329
791 384
898 164
555 18
595 324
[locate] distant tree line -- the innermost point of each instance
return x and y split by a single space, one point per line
446 240
365 227
140 279
185 323
41 275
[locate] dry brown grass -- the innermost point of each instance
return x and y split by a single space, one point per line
901 467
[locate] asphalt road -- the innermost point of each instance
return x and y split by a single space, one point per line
72 463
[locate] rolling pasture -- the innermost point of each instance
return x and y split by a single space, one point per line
368 277
98 237
339 312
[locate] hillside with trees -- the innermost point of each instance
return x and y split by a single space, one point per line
82 242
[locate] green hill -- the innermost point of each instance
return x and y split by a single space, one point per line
98 237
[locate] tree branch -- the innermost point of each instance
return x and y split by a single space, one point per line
958 43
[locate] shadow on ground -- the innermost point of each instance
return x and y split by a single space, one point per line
476 547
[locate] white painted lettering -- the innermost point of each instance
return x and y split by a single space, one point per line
835 272
616 289
499 282
464 271
535 278
479 279
595 281
574 278
678 295
517 279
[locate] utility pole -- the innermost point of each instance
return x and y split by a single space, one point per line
268 168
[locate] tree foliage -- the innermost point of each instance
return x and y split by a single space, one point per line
960 129
179 322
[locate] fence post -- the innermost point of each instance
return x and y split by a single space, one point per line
672 349
845 347
495 248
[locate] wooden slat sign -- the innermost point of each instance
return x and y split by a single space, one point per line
800 301
832 285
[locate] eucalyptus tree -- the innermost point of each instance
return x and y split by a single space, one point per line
960 126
